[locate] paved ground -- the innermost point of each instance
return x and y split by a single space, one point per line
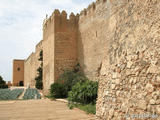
39 110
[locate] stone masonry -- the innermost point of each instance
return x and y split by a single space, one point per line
59 46
30 71
31 65
130 73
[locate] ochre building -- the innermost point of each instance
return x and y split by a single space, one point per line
18 72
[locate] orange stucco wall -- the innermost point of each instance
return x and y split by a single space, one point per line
18 72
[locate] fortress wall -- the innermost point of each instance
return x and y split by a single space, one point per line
65 43
31 65
30 71
48 52
38 49
60 43
129 75
95 29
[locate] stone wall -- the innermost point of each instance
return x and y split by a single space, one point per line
93 37
38 49
65 43
60 46
130 72
30 71
31 65
48 56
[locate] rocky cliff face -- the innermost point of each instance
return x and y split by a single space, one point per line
130 73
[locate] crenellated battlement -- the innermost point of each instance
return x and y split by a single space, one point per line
92 7
95 8
72 16
90 10
64 14
47 20
61 16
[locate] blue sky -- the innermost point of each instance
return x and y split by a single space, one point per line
21 27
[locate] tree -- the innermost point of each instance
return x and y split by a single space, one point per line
2 83
1 80
39 78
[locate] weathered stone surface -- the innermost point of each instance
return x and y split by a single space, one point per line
30 70
113 86
158 109
149 87
59 47
31 65
111 113
158 102
153 69
158 78
117 81
115 75
133 62
152 102
142 104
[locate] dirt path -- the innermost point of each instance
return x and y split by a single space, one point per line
39 110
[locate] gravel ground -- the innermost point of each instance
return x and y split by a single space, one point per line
43 109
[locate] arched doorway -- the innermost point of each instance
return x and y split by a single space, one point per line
21 83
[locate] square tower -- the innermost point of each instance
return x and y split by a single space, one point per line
59 46
18 72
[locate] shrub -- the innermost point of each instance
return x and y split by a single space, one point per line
2 83
58 90
3 86
39 81
70 77
84 92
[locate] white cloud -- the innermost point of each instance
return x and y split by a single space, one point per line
21 27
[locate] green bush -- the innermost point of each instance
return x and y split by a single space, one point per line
2 83
58 90
3 86
70 77
39 78
84 92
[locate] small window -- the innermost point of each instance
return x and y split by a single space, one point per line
96 33
18 69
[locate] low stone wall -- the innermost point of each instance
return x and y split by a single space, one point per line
129 86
